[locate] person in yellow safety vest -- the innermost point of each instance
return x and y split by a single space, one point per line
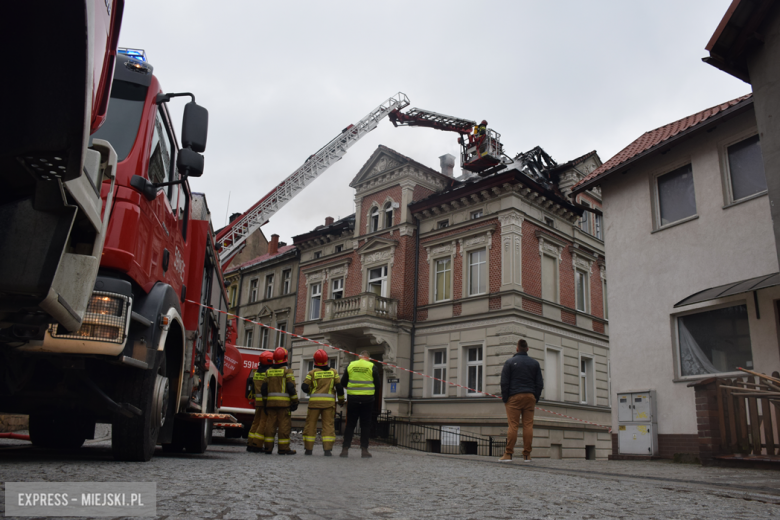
281 399
479 137
323 385
361 378
256 440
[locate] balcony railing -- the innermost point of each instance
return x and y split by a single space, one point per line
364 304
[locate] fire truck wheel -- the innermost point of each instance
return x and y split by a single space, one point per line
135 438
233 433
197 435
57 432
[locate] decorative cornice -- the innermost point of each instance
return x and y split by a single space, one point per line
485 239
518 321
440 250
511 219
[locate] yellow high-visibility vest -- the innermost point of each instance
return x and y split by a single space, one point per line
361 377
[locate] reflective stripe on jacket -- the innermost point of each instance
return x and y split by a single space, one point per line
276 381
360 374
322 389
258 379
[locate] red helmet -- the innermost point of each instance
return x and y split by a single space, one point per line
321 358
483 123
280 355
267 358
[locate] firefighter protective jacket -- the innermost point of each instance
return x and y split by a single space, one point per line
279 387
258 378
323 385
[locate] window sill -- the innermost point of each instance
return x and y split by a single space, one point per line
745 199
701 377
676 223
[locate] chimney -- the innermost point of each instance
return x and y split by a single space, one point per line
447 162
273 245
328 221
234 216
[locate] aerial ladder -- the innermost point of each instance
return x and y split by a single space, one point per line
233 237
481 148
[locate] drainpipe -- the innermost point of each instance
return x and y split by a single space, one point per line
414 309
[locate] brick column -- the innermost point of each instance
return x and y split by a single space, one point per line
707 419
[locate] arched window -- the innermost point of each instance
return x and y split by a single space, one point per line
389 215
374 220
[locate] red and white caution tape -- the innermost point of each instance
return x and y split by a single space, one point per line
391 364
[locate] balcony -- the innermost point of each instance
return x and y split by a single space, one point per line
364 304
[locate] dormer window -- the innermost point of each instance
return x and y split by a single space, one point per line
389 215
374 220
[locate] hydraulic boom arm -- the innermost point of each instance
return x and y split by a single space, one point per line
235 234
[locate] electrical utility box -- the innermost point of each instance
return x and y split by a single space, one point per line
637 423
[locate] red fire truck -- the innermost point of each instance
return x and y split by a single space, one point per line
110 287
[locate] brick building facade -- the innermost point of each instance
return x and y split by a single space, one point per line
483 262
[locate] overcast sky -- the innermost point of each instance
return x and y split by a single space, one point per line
281 79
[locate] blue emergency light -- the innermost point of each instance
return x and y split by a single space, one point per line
138 54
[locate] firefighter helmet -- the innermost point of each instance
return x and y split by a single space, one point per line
321 358
483 123
267 358
280 355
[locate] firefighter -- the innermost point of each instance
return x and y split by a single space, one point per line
256 440
324 385
479 137
281 399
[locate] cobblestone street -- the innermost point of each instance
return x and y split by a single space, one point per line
228 483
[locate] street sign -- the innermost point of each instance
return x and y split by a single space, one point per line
393 380
393 388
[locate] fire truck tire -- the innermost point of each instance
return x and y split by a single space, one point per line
233 433
135 438
56 432
197 435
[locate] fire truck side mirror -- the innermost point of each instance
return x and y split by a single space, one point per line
195 127
190 163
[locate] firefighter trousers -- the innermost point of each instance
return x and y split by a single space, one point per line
257 431
328 429
278 418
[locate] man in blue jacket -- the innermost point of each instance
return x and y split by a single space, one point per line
521 387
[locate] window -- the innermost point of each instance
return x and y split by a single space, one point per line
160 162
599 226
339 248
389 215
377 281
581 290
233 292
676 198
549 221
248 337
443 274
478 272
281 336
442 224
373 220
253 290
586 380
552 375
585 219
269 286
746 168
314 303
714 341
317 254
474 370
549 278
264 337
286 280
439 368
337 289
476 214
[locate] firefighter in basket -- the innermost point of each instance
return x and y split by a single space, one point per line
281 399
256 440
323 386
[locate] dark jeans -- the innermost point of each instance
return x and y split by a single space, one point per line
358 409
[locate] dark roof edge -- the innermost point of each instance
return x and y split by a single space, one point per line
730 111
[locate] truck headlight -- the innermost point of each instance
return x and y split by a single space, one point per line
106 319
